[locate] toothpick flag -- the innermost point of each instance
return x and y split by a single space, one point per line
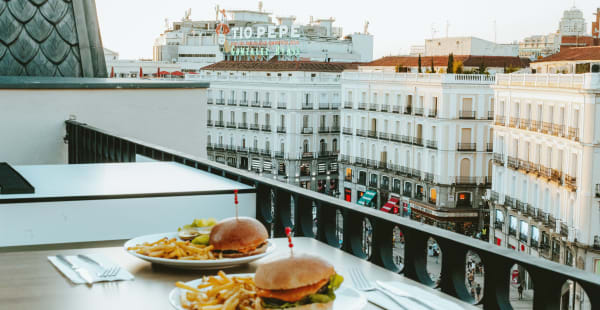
235 192
288 233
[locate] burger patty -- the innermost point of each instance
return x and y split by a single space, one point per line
292 295
242 250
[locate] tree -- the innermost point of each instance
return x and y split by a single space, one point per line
450 68
420 70
432 67
457 67
482 68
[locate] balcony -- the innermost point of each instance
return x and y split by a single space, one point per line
396 109
395 138
556 176
500 120
219 124
335 129
281 129
432 144
371 163
383 135
524 124
466 147
279 154
428 177
546 128
220 101
573 133
231 102
535 126
266 104
490 115
307 106
281 105
406 139
361 132
324 153
346 159
466 114
265 152
418 141
466 180
347 131
210 146
231 125
242 125
545 172
255 104
307 130
432 113
513 122
499 159
415 173
509 202
323 129
489 147
209 101
265 128
571 183
407 110
254 127
209 123
242 149
494 196
372 134
324 106
348 105
361 162
419 111
385 107
373 107
243 103
513 162
308 155
254 150
335 105
362 105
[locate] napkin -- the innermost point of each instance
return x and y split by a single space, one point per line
429 298
91 268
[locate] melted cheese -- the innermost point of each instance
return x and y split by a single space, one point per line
292 295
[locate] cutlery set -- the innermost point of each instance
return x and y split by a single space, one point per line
105 272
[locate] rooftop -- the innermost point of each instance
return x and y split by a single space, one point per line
575 53
42 82
442 61
276 65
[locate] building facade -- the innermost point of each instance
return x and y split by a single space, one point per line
276 118
423 140
545 197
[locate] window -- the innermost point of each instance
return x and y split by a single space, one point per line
385 182
232 116
535 236
373 180
334 146
282 121
348 175
512 225
362 177
524 231
433 196
209 115
396 186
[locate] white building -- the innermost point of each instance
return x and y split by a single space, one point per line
276 118
195 44
572 23
570 60
128 68
468 46
540 45
423 139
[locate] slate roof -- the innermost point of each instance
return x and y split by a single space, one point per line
50 38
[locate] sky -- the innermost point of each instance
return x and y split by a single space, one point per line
130 27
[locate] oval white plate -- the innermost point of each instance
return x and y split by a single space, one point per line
346 298
192 264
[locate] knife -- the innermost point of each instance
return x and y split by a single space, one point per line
400 293
84 274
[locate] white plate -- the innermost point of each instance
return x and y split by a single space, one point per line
192 264
346 298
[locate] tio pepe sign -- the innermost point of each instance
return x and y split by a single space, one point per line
266 32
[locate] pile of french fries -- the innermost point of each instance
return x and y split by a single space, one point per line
174 249
220 293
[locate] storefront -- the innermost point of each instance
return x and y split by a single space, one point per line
368 199
462 221
392 206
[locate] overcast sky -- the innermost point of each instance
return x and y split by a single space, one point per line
130 26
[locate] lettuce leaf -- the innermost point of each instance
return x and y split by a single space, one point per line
324 295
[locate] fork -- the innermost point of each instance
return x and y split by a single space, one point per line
361 283
107 271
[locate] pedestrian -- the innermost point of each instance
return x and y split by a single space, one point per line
436 254
473 292
478 290
471 278
520 288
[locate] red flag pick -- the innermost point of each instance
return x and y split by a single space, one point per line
288 233
235 200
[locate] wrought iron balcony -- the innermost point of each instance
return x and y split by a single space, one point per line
243 125
415 173
573 133
500 120
558 130
325 153
509 201
490 115
546 127
513 162
432 113
254 150
281 129
231 102
219 124
406 139
385 107
209 123
307 106
307 130
545 172
335 129
428 177
308 155
373 107
499 159
255 104
571 183
209 101
418 141
513 122
361 132
210 146
281 105
324 106
231 125
265 127
347 131
362 105
396 109
524 124
407 110
219 147
266 104
494 196
323 129
419 111
335 105
372 134
278 196
489 147
220 101
535 126
556 176
597 190
432 144
466 180
279 154
254 127
371 163
466 147
265 152
242 149
360 161
348 105
243 103
346 159
466 114
383 135
395 138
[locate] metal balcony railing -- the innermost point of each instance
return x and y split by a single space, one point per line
242 125
323 129
597 190
545 172
265 152
219 147
509 201
490 115
266 104
466 114
347 131
535 126
220 101
373 107
254 150
558 130
242 149
372 134
432 144
500 120
335 105
419 111
209 101
407 110
428 177
361 132
255 104
209 123
281 105
308 155
513 122
265 127
432 113
556 176
243 103
395 137
571 183
348 105
324 106
494 196
546 128
573 133
385 107
274 195
360 161
396 109
279 154
406 139
281 129
334 129
466 147
231 125
307 130
513 162
466 180
254 127
489 147
219 124
210 146
307 106
499 158
371 163
231 102
362 105
418 141
383 135
524 124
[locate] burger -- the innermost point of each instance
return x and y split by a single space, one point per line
238 237
301 282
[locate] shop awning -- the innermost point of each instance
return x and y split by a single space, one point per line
391 206
367 197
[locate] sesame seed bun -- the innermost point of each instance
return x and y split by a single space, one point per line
238 233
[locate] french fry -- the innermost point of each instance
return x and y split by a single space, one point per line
221 292
174 249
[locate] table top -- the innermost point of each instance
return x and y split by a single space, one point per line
87 181
30 281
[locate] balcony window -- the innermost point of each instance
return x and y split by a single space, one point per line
535 236
397 186
524 231
433 196
512 225
499 221
385 182
373 180
348 175
362 178
464 200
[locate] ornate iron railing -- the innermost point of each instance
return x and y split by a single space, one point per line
274 208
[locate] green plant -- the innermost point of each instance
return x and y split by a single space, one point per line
420 70
457 67
450 68
432 67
